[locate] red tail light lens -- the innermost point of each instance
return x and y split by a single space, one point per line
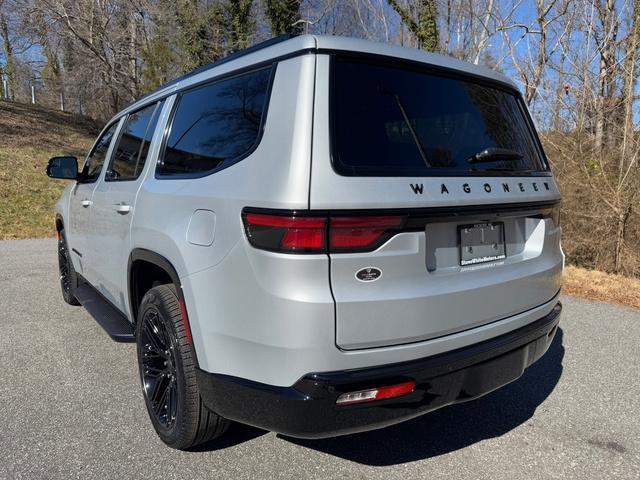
290 234
353 234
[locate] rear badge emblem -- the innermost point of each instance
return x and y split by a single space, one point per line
368 274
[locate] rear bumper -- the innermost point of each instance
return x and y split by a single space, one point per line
308 408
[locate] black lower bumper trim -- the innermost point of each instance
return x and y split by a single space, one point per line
308 409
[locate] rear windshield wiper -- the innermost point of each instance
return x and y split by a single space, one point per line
385 91
495 155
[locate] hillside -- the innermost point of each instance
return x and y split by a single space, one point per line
29 136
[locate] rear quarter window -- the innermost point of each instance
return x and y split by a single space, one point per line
215 125
394 119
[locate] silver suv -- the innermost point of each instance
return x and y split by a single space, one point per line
316 236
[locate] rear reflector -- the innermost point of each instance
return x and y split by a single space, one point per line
292 232
375 394
185 321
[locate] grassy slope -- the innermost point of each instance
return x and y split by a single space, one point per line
597 285
29 136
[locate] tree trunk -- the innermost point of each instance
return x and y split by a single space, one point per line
620 234
8 53
606 80
133 54
560 93
630 79
484 33
425 28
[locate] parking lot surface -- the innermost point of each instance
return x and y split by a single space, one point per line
71 407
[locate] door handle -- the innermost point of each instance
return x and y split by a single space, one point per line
122 208
86 203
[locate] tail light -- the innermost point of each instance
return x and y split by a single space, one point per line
354 234
286 233
293 232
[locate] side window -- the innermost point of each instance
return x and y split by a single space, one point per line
95 160
215 124
130 154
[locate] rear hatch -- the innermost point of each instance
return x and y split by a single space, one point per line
443 212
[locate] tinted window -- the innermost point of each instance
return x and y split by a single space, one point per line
215 124
95 160
133 145
392 120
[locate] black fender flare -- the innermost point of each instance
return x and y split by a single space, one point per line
59 219
157 260
161 262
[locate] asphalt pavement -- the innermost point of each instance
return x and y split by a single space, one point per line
71 406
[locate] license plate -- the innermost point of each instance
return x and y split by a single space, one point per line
481 242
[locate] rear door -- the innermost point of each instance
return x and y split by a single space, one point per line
81 198
441 202
114 204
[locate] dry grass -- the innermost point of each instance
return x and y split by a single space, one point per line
29 136
597 285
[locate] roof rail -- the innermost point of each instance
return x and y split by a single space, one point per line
225 59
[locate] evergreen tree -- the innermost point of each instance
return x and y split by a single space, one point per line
425 28
283 16
241 23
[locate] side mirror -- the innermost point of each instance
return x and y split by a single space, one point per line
65 168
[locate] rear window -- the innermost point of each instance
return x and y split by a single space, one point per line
215 125
394 120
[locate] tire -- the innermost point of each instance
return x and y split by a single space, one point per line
166 361
68 277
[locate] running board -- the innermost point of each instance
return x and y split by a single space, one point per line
108 317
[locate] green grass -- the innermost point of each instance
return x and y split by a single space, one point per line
29 136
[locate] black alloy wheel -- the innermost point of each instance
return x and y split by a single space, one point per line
158 369
66 271
167 364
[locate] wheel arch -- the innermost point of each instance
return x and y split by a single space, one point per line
141 262
59 223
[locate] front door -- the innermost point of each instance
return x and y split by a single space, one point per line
114 205
81 199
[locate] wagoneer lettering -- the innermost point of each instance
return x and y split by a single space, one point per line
417 188
380 238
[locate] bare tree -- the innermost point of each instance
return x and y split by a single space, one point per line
576 62
539 50
7 47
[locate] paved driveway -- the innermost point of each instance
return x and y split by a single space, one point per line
70 406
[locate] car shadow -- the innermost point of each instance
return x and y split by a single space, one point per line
454 427
236 435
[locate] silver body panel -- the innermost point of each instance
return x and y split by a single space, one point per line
409 303
272 317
